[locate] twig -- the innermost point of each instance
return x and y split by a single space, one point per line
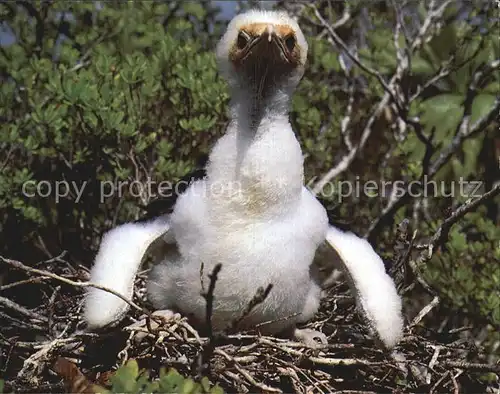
471 366
455 384
464 130
434 357
339 42
33 366
48 274
284 318
390 95
294 378
432 15
441 234
439 381
348 158
246 374
425 310
402 252
259 297
346 120
472 90
23 282
209 298
440 161
14 322
208 349
51 309
22 310
321 360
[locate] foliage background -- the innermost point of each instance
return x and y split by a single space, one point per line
113 91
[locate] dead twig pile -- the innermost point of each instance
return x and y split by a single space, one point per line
41 308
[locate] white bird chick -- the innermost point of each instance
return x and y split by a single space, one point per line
251 213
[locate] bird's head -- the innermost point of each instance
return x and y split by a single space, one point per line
262 50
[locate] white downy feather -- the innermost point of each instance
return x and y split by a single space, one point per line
375 290
120 254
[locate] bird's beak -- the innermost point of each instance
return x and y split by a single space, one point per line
264 54
268 48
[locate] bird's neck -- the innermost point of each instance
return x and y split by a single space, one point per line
255 111
260 155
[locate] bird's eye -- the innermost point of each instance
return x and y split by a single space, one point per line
290 42
242 40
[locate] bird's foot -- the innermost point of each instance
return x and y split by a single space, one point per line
156 319
166 315
311 338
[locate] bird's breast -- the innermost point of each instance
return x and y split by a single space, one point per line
265 173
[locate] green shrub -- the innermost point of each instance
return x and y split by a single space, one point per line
129 379
467 274
120 99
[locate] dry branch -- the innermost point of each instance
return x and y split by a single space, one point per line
47 274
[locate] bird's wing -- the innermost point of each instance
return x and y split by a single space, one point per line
375 291
120 255
123 249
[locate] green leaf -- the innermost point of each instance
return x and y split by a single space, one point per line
91 118
124 379
481 105
195 9
458 241
422 66
444 43
471 149
172 382
443 112
330 62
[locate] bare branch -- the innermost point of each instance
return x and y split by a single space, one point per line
458 140
22 310
209 297
346 120
425 311
247 375
23 282
472 366
463 127
48 274
432 15
346 161
208 349
259 297
340 43
447 153
442 232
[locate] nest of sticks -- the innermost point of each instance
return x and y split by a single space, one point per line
44 347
